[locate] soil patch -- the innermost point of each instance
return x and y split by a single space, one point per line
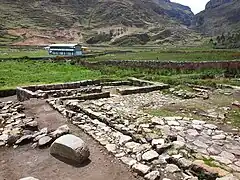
26 161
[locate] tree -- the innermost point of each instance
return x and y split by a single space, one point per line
218 39
223 39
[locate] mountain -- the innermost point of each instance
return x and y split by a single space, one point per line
46 21
219 16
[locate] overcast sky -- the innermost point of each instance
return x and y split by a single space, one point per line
195 5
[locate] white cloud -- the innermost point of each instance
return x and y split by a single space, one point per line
195 5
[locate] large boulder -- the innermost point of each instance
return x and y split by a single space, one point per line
70 149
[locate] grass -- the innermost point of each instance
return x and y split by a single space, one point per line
138 53
234 117
23 72
210 162
171 112
17 73
18 53
171 55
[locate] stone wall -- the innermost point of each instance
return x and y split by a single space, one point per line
24 94
7 92
153 64
71 85
145 89
42 91
72 90
88 96
28 92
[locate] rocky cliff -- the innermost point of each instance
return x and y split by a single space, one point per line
219 16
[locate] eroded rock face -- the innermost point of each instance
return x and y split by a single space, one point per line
70 148
224 12
215 3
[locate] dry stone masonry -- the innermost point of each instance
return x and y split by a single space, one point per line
155 147
170 147
16 129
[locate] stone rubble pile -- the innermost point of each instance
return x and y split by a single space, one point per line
17 129
171 147
185 94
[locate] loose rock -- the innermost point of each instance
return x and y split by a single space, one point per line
184 163
129 161
60 131
44 141
172 168
141 168
210 126
219 137
24 139
124 139
152 175
150 155
111 148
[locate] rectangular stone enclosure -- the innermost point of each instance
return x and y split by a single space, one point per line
88 89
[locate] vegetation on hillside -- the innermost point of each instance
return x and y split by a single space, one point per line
227 41
87 17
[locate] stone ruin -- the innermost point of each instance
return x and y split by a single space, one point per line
154 147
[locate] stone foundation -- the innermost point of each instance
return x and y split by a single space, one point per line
7 92
77 90
145 89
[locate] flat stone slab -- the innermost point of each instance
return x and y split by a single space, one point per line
150 155
141 168
70 148
44 141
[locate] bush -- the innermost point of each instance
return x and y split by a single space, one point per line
99 38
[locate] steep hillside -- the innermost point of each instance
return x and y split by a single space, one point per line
55 13
219 16
78 20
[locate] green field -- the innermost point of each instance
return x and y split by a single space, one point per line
18 73
172 55
136 53
6 52
25 72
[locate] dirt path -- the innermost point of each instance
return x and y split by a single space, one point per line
25 161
